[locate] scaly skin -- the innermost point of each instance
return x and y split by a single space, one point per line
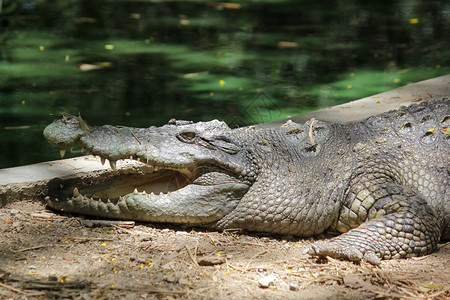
383 183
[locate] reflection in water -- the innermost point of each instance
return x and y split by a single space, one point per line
141 63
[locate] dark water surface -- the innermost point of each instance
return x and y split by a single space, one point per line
140 63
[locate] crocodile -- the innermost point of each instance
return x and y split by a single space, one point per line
381 185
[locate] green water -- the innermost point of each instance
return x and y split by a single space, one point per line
140 63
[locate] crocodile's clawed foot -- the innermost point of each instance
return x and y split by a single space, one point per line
339 250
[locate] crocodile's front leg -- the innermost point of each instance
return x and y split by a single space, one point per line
396 223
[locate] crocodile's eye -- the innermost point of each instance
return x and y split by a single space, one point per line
187 136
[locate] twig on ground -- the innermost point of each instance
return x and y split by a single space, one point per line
33 248
19 291
81 239
191 255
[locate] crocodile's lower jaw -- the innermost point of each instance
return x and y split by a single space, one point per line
159 196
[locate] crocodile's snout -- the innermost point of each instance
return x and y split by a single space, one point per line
65 132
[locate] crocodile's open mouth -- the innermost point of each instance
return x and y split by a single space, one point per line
138 195
153 181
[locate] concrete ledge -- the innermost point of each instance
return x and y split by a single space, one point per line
371 106
34 181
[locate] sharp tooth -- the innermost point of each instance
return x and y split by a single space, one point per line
152 194
76 193
47 198
156 168
135 192
62 152
160 193
112 163
120 198
102 160
138 159
131 156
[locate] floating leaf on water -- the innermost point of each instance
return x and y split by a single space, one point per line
88 67
221 5
85 20
189 75
284 44
17 127
104 63
185 22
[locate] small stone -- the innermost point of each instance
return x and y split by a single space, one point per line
353 281
267 281
183 281
158 278
211 260
171 279
14 211
182 233
16 224
293 287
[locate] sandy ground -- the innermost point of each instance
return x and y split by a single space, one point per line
46 255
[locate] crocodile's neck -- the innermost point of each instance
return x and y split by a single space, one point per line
297 173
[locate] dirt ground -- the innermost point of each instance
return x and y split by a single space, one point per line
46 255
